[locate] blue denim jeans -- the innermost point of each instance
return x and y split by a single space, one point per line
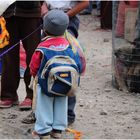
73 29
50 113
74 25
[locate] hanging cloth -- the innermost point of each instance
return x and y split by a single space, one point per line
4 35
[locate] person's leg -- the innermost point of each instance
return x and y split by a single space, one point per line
98 3
73 29
60 113
71 107
43 113
106 15
29 44
10 65
74 26
60 116
89 9
29 119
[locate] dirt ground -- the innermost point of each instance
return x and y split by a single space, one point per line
102 111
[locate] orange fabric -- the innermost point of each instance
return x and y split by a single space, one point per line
77 134
4 35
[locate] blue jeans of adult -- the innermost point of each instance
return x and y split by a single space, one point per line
73 29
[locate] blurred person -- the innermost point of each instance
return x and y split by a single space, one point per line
98 4
22 18
106 15
88 10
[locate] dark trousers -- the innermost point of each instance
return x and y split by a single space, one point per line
72 28
106 14
18 28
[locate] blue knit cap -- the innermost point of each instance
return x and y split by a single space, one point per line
55 22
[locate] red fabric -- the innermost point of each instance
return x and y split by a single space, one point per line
49 43
22 57
121 15
35 63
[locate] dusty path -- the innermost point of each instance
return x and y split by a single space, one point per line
102 111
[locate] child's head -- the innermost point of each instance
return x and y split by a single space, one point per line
55 23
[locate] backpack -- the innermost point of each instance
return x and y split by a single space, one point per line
62 76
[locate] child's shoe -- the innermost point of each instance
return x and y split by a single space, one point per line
41 136
44 137
30 119
57 134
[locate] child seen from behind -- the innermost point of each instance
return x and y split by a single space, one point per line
58 71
